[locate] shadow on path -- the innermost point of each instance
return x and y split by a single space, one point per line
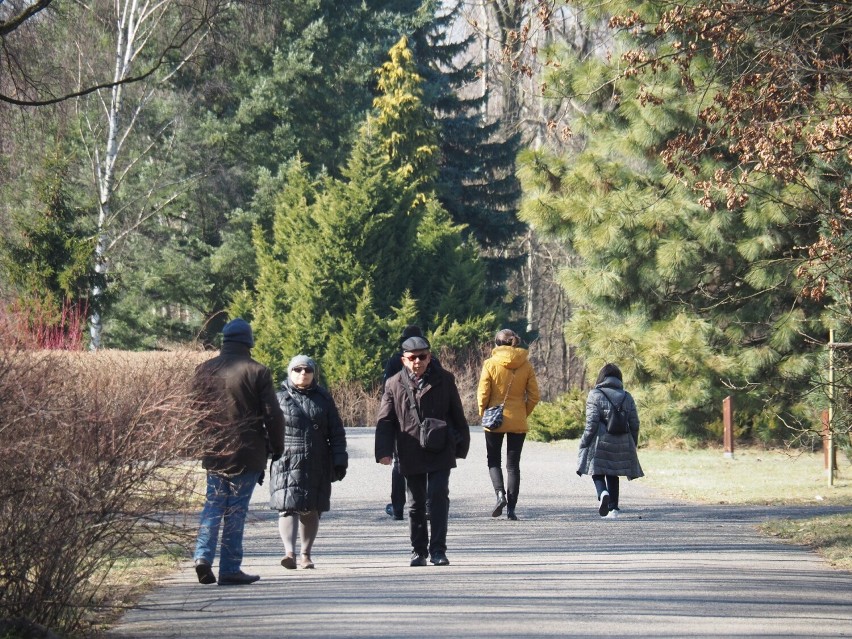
664 569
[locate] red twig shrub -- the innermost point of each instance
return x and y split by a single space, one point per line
93 450
38 326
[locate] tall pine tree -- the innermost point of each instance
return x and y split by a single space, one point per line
695 301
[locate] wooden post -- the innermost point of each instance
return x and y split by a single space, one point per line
728 418
825 435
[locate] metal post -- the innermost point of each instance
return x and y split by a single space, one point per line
728 419
830 469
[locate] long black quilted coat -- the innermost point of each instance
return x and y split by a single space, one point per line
604 454
313 445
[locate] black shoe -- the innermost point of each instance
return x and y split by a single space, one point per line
389 510
417 559
603 506
510 513
204 572
501 503
440 559
236 578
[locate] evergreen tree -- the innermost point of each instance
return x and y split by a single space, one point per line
354 351
46 255
476 182
359 248
691 298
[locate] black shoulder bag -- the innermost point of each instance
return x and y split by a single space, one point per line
433 432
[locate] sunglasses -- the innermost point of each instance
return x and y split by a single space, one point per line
421 356
303 369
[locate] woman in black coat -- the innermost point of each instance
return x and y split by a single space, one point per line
314 456
603 455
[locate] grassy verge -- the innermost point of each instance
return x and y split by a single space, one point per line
764 477
830 536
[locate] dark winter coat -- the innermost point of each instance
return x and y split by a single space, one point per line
316 444
604 454
397 422
246 420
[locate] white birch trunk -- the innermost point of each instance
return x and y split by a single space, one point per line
136 24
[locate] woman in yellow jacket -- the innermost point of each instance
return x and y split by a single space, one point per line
507 378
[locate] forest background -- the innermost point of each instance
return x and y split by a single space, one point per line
663 185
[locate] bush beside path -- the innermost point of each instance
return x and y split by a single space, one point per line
664 569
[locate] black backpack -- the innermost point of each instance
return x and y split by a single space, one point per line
617 423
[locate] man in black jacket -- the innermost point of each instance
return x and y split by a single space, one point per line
397 504
248 424
422 391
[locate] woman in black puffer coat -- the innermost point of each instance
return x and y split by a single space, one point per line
602 455
314 456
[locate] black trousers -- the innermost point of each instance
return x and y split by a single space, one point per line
493 451
437 485
607 483
397 488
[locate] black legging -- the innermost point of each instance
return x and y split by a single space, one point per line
608 483
493 449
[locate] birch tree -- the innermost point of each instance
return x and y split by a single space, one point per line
158 35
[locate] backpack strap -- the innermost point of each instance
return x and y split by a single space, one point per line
611 403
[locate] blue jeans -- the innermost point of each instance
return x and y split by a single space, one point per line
228 498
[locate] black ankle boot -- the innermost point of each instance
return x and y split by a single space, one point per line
501 502
510 513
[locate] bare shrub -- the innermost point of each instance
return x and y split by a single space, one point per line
466 365
92 472
38 326
357 407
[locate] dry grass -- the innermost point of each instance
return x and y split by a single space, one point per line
830 537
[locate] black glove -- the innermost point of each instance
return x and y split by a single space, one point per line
340 472
260 479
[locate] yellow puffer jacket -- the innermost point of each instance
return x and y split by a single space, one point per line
497 372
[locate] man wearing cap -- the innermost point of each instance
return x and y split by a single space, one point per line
392 367
248 422
423 390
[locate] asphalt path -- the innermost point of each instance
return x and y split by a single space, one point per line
664 569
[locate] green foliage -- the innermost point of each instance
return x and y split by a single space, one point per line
46 256
689 297
354 352
564 418
346 252
476 180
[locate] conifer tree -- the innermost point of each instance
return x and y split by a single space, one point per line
693 300
350 256
46 256
476 180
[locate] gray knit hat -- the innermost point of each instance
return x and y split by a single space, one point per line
301 360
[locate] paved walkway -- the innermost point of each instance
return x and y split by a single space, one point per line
664 569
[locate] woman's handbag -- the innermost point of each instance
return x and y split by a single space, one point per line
492 418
